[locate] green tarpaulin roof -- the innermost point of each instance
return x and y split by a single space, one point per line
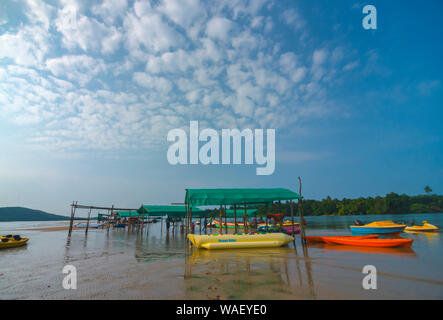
170 211
125 214
241 212
207 197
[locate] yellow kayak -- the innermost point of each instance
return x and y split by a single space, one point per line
232 241
426 227
12 241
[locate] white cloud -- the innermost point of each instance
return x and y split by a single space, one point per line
157 83
150 32
39 12
351 65
319 57
293 18
126 71
26 47
87 33
183 12
426 88
81 68
218 28
110 10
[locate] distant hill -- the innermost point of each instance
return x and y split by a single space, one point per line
25 214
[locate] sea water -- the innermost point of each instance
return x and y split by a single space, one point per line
151 263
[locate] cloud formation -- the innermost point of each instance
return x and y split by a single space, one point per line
119 74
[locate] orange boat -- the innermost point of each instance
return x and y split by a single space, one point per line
380 243
322 239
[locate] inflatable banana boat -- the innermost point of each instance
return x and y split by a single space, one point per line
235 241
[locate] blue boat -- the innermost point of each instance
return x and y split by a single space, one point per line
119 225
378 227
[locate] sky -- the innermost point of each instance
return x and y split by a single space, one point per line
90 89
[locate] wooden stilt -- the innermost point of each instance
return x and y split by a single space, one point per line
226 222
87 224
235 219
71 220
221 220
292 220
246 226
190 214
186 219
109 217
199 219
300 211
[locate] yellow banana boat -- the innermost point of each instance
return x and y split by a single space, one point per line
426 227
236 241
12 241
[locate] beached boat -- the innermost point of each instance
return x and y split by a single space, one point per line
380 243
119 225
269 228
236 241
10 241
426 227
322 239
289 229
378 227
231 225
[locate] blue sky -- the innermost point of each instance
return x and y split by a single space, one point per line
85 108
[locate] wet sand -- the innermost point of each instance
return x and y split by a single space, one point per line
152 264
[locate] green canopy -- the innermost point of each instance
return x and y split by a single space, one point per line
205 197
241 212
127 214
170 211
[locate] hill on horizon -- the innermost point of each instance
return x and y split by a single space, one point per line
9 214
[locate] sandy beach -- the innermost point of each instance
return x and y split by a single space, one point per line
122 264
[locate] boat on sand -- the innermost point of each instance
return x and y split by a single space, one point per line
11 241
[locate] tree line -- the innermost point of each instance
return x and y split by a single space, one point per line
392 203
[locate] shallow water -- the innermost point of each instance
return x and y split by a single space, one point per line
152 264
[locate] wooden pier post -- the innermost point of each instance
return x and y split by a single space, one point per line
221 220
292 220
300 211
87 224
199 219
109 217
226 221
71 220
186 219
235 219
190 214
246 221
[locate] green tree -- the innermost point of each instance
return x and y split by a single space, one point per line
428 189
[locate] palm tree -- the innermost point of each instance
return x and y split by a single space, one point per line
428 189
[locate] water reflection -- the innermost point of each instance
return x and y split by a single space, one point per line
268 273
399 252
429 236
